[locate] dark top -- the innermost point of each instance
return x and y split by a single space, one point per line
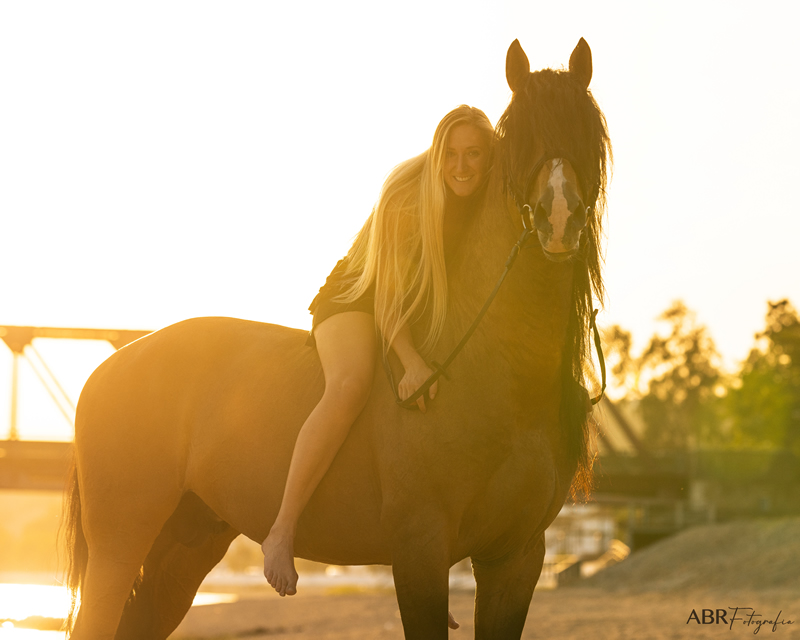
458 210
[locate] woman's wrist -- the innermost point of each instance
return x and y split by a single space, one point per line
410 358
403 346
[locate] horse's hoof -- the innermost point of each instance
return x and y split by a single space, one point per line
451 621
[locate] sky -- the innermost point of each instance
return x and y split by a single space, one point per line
165 160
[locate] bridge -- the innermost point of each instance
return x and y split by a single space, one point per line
33 465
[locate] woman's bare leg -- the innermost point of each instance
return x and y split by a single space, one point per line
347 349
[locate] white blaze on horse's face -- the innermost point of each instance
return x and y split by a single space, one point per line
559 214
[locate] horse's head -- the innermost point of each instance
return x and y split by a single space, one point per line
554 206
553 146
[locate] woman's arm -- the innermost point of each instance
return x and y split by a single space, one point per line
416 369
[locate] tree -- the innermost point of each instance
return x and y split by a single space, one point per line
683 371
620 362
676 380
765 405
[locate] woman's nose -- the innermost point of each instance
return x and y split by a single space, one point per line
461 163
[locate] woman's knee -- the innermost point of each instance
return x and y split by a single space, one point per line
350 392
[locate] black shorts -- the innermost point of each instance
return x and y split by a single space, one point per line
323 306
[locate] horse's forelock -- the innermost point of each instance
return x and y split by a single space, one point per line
554 113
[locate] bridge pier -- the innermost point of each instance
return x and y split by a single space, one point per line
13 433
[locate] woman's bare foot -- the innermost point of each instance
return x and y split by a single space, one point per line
451 621
278 549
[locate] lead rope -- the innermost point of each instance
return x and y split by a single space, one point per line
599 348
441 369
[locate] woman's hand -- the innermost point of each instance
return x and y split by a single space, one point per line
414 377
417 371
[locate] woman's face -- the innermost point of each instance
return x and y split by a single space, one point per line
466 160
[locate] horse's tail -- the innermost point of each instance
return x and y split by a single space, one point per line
77 549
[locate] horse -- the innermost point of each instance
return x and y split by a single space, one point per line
183 438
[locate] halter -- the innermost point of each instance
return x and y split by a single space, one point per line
521 198
525 210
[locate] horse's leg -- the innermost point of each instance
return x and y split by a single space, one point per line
119 532
504 590
421 568
191 543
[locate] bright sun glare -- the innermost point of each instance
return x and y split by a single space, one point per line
20 601
9 632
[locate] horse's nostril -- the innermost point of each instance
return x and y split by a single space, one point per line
540 220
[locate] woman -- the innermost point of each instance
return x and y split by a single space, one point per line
394 271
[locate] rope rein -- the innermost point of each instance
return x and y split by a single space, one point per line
441 369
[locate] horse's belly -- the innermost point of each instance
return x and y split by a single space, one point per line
341 523
240 472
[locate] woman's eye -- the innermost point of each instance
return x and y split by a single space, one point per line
475 153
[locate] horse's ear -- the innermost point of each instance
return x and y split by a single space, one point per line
518 67
580 63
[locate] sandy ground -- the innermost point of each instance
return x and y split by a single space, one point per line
577 613
651 595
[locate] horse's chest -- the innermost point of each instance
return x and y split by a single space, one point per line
439 458
523 477
486 477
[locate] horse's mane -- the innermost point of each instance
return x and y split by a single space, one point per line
555 115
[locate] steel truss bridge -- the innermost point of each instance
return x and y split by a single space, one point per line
43 465
34 465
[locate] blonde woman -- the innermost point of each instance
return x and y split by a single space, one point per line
394 270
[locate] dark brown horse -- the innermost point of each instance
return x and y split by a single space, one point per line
183 438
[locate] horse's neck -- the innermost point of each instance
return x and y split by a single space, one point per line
526 324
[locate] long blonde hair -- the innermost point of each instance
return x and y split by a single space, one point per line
400 247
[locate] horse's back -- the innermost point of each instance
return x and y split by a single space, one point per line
213 406
194 371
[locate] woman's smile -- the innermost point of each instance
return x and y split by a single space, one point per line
465 160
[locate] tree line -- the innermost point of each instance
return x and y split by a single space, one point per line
686 400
